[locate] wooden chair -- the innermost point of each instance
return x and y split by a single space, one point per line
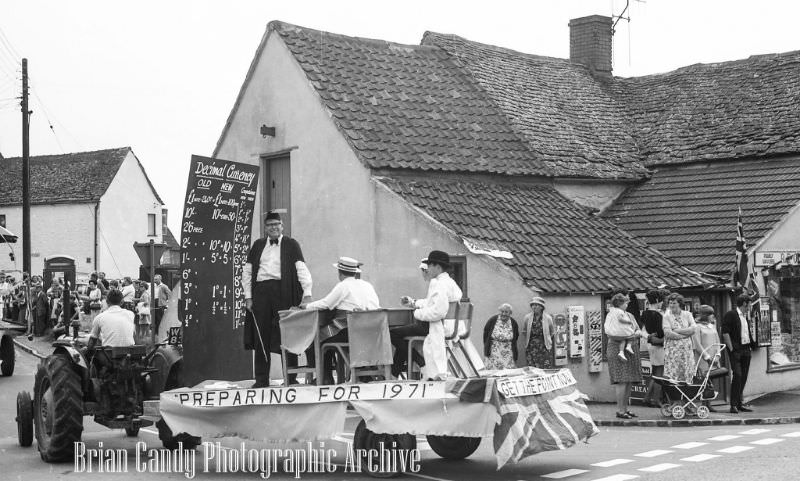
452 314
368 351
310 368
461 357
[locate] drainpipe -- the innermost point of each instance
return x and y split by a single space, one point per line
96 223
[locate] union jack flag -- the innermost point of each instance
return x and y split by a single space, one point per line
542 422
740 265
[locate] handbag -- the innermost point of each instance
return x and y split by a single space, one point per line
95 306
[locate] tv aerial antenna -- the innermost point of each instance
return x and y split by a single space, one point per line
622 16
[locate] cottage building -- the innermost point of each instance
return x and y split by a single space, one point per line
91 206
384 151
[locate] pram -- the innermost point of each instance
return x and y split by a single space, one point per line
686 397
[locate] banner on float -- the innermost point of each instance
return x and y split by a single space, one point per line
306 394
530 386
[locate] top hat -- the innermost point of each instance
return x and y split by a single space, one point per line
348 264
438 257
272 216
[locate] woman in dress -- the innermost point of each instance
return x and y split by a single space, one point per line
538 335
95 296
625 370
679 327
500 340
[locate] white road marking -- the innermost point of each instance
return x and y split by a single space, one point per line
613 462
565 474
617 477
149 431
767 441
724 437
795 434
691 445
659 467
700 457
734 449
755 431
342 438
653 453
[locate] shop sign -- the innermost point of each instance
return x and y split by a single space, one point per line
766 259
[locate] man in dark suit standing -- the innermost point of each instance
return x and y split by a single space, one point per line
274 278
738 339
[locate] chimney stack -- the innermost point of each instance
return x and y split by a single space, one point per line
590 41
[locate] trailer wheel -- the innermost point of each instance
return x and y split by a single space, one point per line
6 355
453 447
58 409
170 441
399 445
24 419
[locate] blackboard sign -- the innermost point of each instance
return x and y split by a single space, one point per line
215 238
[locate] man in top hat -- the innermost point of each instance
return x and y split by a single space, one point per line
349 294
428 314
274 278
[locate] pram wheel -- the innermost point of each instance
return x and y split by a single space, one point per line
677 411
702 412
666 409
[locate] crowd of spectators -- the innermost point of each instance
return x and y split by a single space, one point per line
25 301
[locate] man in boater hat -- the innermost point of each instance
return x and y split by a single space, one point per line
349 294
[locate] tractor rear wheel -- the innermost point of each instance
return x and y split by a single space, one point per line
6 355
57 409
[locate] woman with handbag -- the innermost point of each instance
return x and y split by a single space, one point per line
94 300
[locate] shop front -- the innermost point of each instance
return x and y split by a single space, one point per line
779 329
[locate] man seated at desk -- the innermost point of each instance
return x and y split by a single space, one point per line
113 327
349 294
428 315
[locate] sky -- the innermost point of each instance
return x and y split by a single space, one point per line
162 76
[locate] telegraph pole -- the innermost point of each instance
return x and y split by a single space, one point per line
26 174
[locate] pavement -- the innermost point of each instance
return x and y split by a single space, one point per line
780 407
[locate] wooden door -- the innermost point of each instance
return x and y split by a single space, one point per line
277 193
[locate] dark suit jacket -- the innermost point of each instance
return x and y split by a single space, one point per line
291 290
731 325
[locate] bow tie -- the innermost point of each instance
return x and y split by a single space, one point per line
273 242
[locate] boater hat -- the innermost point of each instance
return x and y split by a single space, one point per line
438 257
348 264
423 264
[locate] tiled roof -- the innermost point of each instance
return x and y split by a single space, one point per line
65 178
745 108
566 116
557 246
169 239
689 212
404 106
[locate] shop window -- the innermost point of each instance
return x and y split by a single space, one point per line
783 288
151 225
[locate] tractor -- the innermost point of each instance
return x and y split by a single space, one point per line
109 383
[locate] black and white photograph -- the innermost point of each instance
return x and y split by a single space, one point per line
434 240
